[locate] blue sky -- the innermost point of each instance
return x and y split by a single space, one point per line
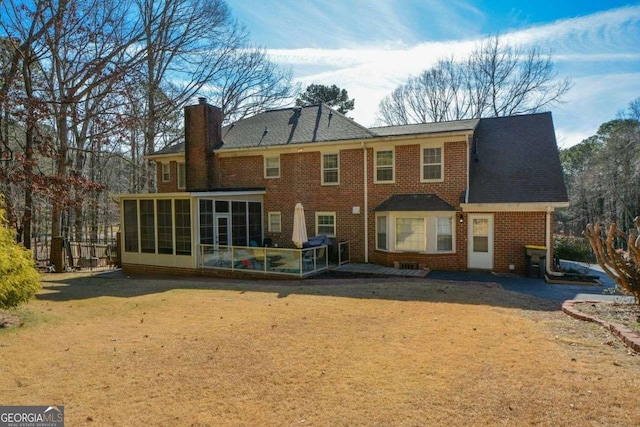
370 46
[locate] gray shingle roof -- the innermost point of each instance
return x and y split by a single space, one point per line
297 125
420 128
287 126
414 202
516 161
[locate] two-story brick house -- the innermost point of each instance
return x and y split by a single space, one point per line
459 195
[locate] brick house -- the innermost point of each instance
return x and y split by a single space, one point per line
467 194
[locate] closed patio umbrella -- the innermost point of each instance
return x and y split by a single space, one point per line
299 226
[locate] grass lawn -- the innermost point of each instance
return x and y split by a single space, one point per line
119 351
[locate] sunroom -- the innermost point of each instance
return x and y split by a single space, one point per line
221 230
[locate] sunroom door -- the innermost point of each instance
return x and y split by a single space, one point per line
223 230
480 241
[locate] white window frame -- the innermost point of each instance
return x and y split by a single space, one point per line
272 216
453 233
327 214
267 167
166 172
386 233
423 164
430 228
323 169
377 166
424 234
181 175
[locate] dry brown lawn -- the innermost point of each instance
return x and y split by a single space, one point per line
376 352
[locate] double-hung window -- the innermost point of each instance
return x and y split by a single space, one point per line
275 222
326 223
272 167
182 176
384 166
432 164
444 234
381 233
330 169
166 172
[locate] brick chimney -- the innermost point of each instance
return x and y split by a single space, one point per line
202 132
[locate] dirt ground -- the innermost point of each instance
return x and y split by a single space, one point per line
132 351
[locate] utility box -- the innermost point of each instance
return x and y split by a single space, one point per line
536 260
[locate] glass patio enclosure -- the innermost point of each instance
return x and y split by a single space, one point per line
212 230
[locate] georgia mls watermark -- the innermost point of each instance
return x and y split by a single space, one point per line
31 416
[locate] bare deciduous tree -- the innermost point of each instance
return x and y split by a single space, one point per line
495 80
618 254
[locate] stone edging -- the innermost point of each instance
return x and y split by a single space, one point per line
628 337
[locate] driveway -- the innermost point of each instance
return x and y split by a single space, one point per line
538 287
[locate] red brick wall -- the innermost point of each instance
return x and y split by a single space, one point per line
407 181
172 185
202 133
512 231
300 181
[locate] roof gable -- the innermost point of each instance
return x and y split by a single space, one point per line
515 160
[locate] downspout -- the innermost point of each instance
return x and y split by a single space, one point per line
548 243
466 193
366 205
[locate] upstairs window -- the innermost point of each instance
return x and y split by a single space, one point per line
166 172
384 166
182 176
272 167
432 164
330 169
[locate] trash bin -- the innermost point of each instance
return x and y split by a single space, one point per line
536 260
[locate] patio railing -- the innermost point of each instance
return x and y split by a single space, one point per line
296 262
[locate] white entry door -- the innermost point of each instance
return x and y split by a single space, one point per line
223 230
481 241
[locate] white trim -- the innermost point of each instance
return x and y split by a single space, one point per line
430 219
452 221
422 164
365 190
335 223
386 232
512 207
227 193
490 257
349 144
162 171
376 166
178 174
269 216
266 158
322 168
183 195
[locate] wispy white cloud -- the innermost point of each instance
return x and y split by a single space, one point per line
604 40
